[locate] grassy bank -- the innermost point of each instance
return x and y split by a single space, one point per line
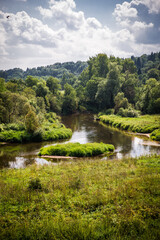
83 200
142 124
48 131
77 149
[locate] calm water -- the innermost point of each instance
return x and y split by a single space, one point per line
85 129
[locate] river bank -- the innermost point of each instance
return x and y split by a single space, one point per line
82 200
147 125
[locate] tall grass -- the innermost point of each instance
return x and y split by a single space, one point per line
142 124
42 134
77 149
83 200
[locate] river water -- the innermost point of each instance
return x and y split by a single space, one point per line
85 129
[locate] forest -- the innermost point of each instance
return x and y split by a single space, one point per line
106 85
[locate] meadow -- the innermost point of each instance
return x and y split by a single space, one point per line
118 199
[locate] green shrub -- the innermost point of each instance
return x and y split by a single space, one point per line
15 126
12 136
77 149
109 111
127 112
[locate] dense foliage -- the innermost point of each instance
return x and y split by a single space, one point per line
121 84
84 200
77 149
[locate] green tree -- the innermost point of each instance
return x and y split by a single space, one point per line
154 73
53 84
2 84
128 65
120 102
102 65
129 85
31 81
31 122
41 90
113 85
70 100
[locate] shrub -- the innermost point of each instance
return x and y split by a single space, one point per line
109 111
15 126
127 112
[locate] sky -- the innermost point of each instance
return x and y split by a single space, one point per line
42 32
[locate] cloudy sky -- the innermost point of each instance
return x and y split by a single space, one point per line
41 32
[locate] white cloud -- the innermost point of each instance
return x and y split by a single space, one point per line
124 10
141 26
127 17
28 42
63 12
20 27
152 5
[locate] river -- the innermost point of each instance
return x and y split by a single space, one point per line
85 129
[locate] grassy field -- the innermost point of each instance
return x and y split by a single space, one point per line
142 124
86 200
77 149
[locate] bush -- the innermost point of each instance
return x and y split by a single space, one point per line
12 136
15 126
127 112
77 149
109 111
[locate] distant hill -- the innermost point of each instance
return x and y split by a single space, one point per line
57 70
68 69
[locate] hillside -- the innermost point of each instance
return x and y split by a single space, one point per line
57 70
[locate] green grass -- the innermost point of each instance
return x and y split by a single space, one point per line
155 135
118 199
142 124
49 131
77 149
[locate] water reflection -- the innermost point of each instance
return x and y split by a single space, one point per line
85 129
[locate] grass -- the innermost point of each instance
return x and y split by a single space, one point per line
77 149
142 124
89 200
48 131
155 135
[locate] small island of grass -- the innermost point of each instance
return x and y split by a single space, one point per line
76 149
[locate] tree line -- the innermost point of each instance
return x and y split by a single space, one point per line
107 84
58 70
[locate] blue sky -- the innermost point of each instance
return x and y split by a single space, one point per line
42 32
